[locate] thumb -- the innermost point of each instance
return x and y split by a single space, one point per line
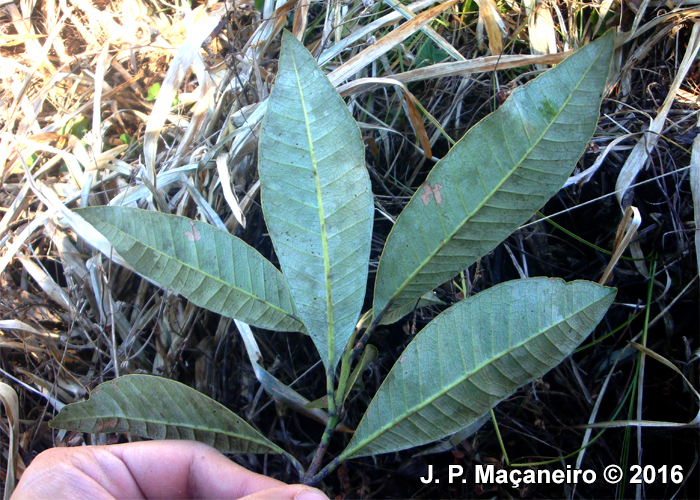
291 492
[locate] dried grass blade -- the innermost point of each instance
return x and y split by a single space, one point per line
43 393
540 23
19 204
264 34
639 423
47 284
627 36
245 204
70 257
585 176
300 19
25 33
329 22
417 122
203 204
639 14
120 88
368 29
229 196
100 70
387 43
628 227
200 116
9 399
40 60
29 119
157 196
491 19
15 324
364 84
71 161
602 13
88 233
695 191
432 34
661 359
108 160
172 81
136 193
640 154
277 390
21 238
480 65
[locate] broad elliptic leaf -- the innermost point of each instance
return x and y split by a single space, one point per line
317 198
495 178
158 408
209 267
474 355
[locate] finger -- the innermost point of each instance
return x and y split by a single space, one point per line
87 472
186 469
292 492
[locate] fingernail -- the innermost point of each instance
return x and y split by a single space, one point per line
310 494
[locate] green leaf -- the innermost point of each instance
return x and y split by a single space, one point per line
80 128
320 403
495 178
158 408
32 159
153 92
474 355
209 267
427 299
355 380
317 198
429 53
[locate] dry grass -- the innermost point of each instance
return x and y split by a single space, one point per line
83 123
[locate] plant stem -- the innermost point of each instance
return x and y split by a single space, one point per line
334 409
359 347
345 363
323 445
297 466
330 392
330 427
326 470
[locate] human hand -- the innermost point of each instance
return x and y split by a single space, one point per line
149 469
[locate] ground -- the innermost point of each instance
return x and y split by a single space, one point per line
72 318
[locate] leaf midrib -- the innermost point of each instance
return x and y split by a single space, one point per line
490 195
166 423
198 270
322 222
382 430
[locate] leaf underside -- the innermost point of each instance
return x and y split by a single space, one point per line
317 198
209 267
427 299
158 408
474 355
495 178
